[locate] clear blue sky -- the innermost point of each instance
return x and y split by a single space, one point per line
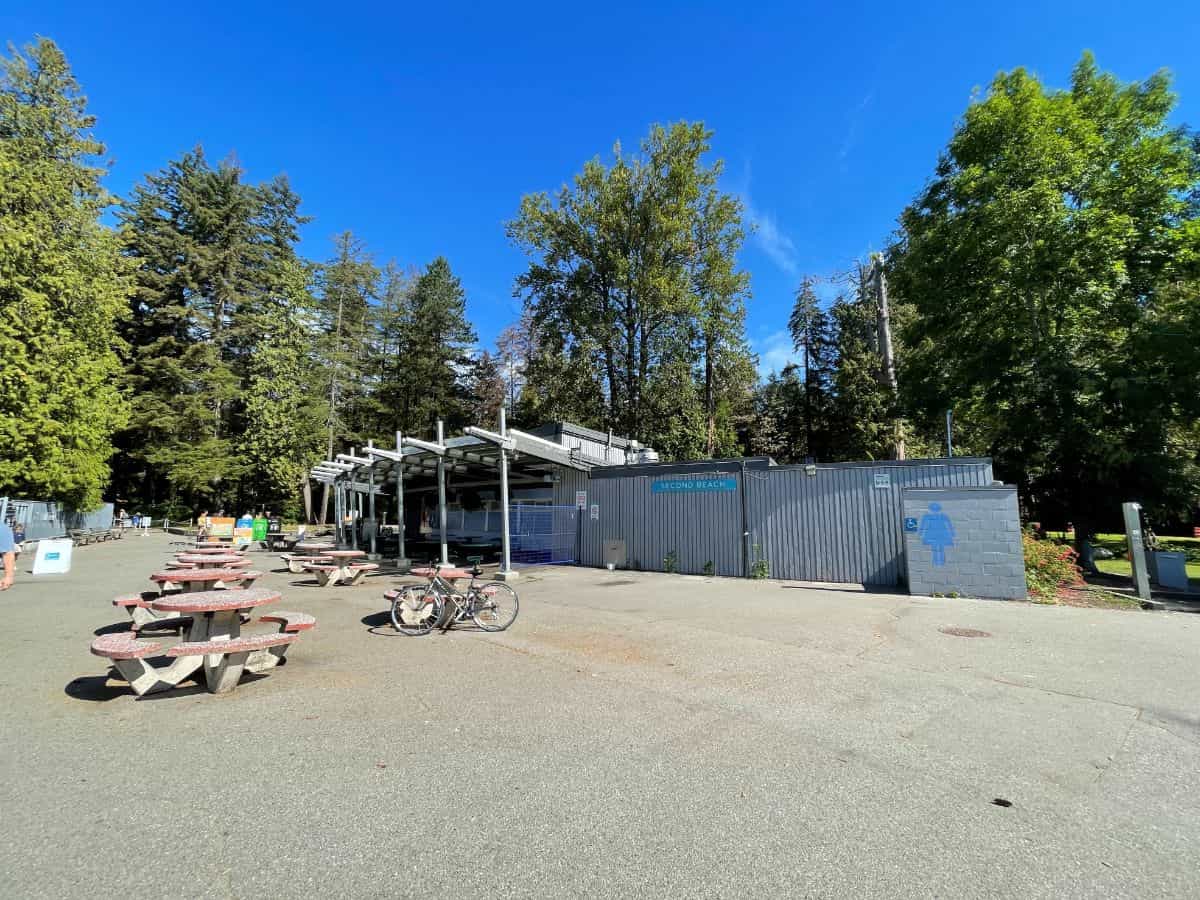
419 127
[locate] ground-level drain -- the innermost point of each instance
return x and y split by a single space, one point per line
955 631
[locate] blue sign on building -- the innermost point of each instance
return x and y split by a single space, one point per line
910 523
701 485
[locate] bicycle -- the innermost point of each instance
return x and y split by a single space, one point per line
418 609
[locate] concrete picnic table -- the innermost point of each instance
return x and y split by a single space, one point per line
213 550
213 560
341 568
192 580
314 546
213 641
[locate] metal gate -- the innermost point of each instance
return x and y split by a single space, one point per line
543 535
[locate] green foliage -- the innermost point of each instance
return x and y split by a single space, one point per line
216 276
671 563
434 375
835 404
1051 264
62 287
1049 567
760 568
284 419
637 302
710 568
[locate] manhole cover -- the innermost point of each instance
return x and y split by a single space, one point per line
954 631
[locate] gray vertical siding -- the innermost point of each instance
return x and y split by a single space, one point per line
698 528
834 525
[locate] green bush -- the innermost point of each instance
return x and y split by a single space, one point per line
1049 567
709 568
671 562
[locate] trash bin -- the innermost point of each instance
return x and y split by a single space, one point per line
260 528
1172 570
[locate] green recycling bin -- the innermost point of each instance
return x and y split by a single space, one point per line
260 529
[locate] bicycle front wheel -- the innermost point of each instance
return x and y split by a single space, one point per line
416 610
495 606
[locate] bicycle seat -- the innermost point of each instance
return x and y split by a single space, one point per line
475 570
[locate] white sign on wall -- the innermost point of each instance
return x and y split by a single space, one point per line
53 557
581 499
595 511
883 479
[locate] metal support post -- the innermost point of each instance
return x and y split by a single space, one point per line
337 511
371 554
402 562
354 506
506 572
441 473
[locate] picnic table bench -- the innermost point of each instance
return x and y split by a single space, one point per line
341 568
214 641
212 560
296 562
213 549
142 612
191 580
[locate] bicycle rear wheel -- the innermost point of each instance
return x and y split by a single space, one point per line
416 610
495 605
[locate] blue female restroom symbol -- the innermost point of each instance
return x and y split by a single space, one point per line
937 533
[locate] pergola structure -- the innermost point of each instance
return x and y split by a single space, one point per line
478 457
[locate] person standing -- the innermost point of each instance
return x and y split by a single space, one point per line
8 549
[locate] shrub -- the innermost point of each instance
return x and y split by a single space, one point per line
671 562
709 568
1049 567
760 568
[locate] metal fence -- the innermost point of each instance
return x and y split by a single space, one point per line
541 534
46 519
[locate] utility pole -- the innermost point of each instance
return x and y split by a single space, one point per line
884 325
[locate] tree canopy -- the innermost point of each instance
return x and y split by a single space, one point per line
62 287
1051 266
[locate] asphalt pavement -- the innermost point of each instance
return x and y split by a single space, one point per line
632 735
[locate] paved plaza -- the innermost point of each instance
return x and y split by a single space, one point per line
632 735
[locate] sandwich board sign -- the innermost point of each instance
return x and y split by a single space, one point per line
53 557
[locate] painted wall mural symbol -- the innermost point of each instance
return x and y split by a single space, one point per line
937 533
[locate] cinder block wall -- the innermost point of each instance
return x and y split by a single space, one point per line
964 540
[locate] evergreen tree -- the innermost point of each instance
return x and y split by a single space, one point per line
863 410
216 266
285 417
814 338
350 285
435 352
62 287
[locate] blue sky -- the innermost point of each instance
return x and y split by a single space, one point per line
420 127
